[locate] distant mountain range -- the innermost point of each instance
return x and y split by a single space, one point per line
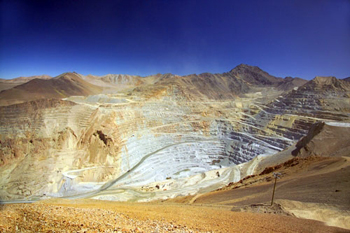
62 86
240 80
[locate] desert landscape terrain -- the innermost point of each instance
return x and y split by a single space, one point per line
194 153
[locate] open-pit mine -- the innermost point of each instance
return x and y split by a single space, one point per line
162 137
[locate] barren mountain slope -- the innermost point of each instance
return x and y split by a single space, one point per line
289 83
332 139
115 82
253 75
202 87
230 85
65 85
9 83
322 97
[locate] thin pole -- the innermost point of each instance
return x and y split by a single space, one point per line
273 193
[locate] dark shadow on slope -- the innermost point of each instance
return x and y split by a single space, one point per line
314 130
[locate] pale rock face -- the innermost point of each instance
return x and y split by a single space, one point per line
152 143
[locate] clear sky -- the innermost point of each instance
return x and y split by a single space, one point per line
299 38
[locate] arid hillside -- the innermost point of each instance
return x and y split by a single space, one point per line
62 86
10 83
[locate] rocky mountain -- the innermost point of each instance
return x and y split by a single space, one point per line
119 81
202 86
253 75
9 83
62 86
289 83
120 137
328 84
322 97
239 81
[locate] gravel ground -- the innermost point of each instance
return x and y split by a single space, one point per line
99 216
48 218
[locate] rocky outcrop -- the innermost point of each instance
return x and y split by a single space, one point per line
323 97
325 139
327 84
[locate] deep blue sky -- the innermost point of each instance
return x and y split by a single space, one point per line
299 38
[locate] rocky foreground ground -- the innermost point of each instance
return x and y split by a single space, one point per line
102 216
50 218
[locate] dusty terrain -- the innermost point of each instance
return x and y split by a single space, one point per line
103 216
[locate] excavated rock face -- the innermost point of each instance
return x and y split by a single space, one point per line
168 133
336 136
322 97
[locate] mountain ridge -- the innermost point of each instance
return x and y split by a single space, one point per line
61 86
326 83
237 82
6 84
